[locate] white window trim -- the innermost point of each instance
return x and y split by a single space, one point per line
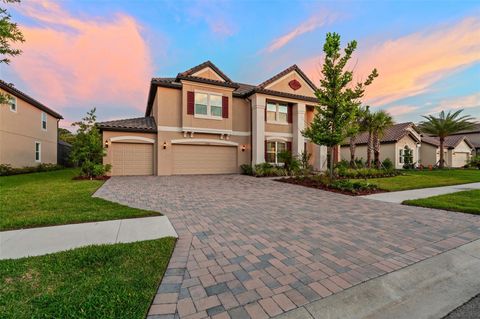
129 137
203 141
209 115
276 150
41 121
277 122
16 104
39 152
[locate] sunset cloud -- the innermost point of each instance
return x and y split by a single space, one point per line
461 102
401 109
310 25
69 61
409 65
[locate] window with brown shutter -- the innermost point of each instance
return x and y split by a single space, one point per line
225 107
289 113
289 146
190 102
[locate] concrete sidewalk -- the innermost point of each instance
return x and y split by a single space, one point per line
428 289
40 241
399 197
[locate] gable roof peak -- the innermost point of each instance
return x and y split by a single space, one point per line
286 71
201 66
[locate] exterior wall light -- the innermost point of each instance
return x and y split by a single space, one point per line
165 145
106 143
244 148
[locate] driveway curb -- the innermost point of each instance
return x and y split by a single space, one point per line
428 289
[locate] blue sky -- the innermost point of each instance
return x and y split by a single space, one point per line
81 54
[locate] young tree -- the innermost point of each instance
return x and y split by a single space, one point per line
87 149
65 135
9 34
337 98
381 121
445 125
356 127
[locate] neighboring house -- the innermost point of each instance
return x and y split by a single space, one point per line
202 122
28 130
398 142
457 150
473 136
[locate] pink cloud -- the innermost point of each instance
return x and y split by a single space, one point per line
409 65
68 60
310 25
401 109
460 102
215 15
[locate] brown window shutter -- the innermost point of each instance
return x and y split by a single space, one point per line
190 102
265 113
289 113
265 151
225 107
289 146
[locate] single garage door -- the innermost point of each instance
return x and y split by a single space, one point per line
132 159
459 159
204 159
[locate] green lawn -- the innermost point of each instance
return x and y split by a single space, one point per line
466 202
108 281
423 179
53 198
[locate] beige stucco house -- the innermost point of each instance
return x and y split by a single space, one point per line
28 130
457 151
202 122
397 141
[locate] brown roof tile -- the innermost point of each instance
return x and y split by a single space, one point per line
139 124
391 135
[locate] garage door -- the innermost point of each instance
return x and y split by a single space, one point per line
204 159
459 159
132 159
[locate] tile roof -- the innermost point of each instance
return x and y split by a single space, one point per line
391 135
474 129
430 140
453 140
9 88
241 90
139 124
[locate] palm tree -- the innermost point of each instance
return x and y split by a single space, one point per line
358 126
445 125
380 123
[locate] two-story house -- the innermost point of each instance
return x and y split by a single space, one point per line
28 130
202 122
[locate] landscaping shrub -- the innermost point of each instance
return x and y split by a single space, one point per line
365 173
343 164
352 186
290 162
474 162
305 161
247 169
7 169
387 164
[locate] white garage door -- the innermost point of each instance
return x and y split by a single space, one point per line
204 159
132 159
459 159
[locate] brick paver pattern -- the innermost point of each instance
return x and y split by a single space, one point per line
256 248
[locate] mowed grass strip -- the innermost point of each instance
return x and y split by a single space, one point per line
425 178
54 198
108 281
465 202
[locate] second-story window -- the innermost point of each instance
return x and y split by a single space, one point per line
12 102
208 104
277 112
44 121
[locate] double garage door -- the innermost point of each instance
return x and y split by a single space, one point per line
138 159
204 159
132 159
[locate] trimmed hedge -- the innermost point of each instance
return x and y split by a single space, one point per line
7 169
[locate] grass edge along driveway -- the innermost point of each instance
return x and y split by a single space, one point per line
54 198
426 178
103 281
464 201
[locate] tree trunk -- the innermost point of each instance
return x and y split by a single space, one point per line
376 150
352 150
369 149
332 149
442 160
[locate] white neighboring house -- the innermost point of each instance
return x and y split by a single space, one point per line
457 150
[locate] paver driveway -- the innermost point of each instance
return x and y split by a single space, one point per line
256 248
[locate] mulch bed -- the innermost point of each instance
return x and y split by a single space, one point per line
307 182
84 178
